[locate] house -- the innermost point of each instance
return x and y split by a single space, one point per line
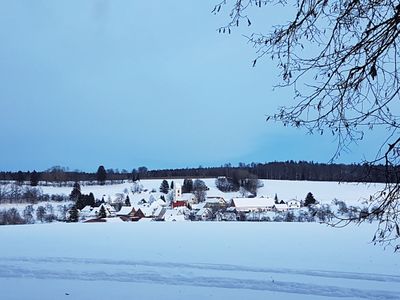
189 197
252 204
126 213
156 204
89 212
131 213
110 211
172 215
147 212
215 203
196 207
159 214
204 214
292 204
281 207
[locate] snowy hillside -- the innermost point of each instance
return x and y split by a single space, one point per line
195 261
143 194
325 192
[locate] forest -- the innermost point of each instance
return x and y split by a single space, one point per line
288 170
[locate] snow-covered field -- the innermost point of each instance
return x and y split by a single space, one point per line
195 260
324 192
352 194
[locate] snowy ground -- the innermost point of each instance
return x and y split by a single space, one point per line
206 260
325 192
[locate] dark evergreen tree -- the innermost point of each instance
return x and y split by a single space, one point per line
73 214
127 201
20 177
85 200
172 185
164 187
34 178
91 200
102 212
101 175
187 186
309 200
76 192
276 199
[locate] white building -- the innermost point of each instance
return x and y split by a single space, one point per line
253 204
281 207
293 204
177 192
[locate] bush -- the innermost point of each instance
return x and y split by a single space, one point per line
226 185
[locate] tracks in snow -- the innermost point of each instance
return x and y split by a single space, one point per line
200 275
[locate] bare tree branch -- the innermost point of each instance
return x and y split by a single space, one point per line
341 58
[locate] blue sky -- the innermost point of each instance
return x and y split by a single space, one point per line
139 83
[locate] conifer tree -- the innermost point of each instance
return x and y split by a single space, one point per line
34 178
187 186
127 201
76 191
101 175
102 212
73 214
164 187
309 200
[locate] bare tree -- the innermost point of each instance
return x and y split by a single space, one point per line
341 58
200 190
41 213
28 214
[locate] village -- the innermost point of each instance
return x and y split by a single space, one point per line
186 207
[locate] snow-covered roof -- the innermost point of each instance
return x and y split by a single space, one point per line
156 204
107 207
125 210
86 209
216 200
198 206
147 211
203 211
253 203
159 212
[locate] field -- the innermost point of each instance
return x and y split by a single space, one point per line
195 260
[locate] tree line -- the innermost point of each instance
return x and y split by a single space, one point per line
288 170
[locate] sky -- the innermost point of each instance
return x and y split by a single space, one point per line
127 83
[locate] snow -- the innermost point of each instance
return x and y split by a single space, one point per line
198 260
324 192
253 203
195 260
